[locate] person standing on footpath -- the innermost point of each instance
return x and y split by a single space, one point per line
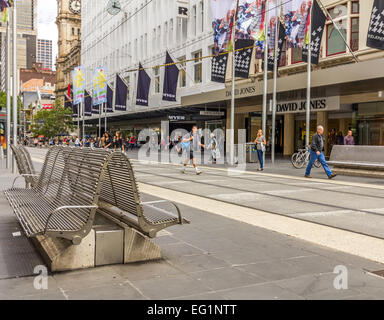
316 151
348 139
260 142
192 143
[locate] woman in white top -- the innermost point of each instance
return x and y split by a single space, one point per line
260 146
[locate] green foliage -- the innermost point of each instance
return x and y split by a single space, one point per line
54 122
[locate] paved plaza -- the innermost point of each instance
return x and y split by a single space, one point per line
270 235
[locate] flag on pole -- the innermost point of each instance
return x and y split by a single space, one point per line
75 109
271 55
143 85
296 14
222 15
171 76
109 100
121 94
4 4
78 79
87 104
67 102
243 57
99 86
219 68
375 37
317 30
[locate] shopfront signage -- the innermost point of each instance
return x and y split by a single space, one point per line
251 90
318 104
176 118
182 9
212 113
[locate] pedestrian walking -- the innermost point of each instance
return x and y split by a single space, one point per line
118 141
77 142
317 153
192 143
215 152
348 139
260 142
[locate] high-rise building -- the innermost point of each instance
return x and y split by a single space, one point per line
44 53
26 37
69 27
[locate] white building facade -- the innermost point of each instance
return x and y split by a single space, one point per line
142 32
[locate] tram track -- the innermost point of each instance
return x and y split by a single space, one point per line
263 209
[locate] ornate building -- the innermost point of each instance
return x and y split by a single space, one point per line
69 45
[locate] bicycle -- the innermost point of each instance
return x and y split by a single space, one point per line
301 158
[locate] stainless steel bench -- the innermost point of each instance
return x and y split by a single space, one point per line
73 184
120 198
64 202
24 166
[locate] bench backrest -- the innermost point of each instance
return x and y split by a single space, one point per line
28 160
120 187
357 153
21 165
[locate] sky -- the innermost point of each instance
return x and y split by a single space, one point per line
47 29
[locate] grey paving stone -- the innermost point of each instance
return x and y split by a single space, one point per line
203 297
121 291
79 279
170 287
265 291
318 286
225 278
180 249
198 263
146 270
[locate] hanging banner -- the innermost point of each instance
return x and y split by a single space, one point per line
296 18
67 102
271 54
317 30
99 86
75 110
121 94
171 76
375 37
250 19
4 4
243 57
78 85
222 15
109 100
95 107
87 104
143 85
219 68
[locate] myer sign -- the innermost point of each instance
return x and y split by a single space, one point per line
318 104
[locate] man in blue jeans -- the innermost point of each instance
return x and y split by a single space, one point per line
316 150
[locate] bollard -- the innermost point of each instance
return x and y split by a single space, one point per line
1 153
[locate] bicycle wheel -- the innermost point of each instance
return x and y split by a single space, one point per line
300 161
317 164
293 158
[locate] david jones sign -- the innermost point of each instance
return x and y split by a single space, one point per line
322 104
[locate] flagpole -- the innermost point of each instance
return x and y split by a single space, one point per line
83 112
232 138
265 93
309 69
275 62
100 106
78 120
8 96
14 80
105 109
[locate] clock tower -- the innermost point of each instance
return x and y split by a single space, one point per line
69 44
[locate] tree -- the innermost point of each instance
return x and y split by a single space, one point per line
54 122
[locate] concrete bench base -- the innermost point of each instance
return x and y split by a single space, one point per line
106 244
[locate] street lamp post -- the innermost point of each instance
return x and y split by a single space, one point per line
14 89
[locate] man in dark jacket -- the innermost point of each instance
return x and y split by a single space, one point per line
316 151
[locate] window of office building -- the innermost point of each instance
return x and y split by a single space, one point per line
182 74
345 16
202 16
296 55
194 20
198 67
